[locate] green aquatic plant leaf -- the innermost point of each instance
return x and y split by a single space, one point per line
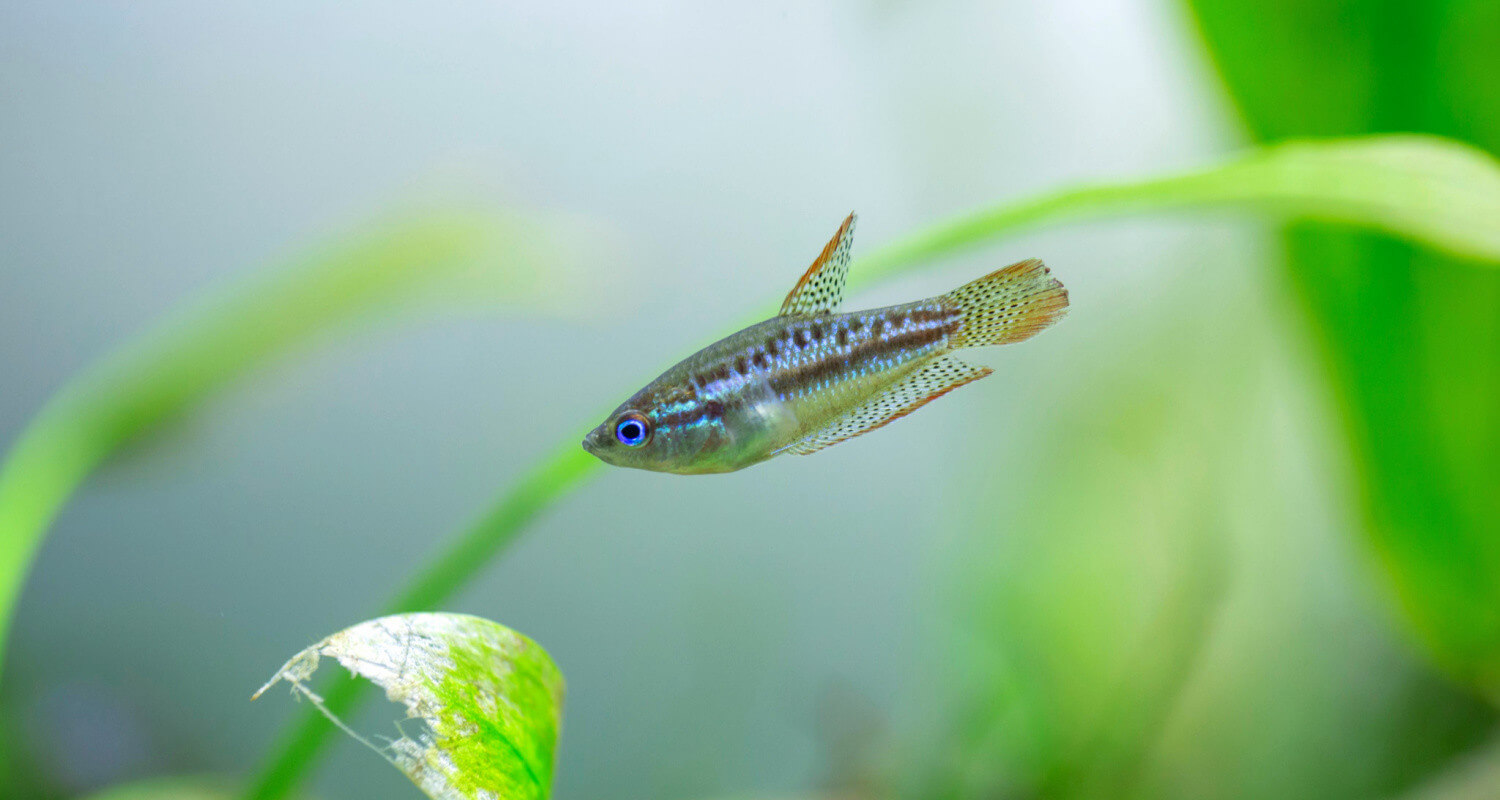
1429 190
394 267
1399 184
1409 338
488 701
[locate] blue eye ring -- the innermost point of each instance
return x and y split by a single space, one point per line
633 429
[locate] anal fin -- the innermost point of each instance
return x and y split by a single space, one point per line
937 378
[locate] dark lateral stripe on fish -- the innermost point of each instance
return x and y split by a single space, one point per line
930 315
718 372
833 362
910 338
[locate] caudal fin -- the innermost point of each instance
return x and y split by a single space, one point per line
1008 305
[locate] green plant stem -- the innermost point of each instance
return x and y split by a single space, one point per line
1352 181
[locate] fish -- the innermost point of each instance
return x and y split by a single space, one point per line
813 376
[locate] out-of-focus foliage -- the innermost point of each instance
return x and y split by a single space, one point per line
1175 612
399 264
487 700
1090 607
178 788
1411 338
169 789
1171 614
1473 777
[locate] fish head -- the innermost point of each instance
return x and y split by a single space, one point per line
668 428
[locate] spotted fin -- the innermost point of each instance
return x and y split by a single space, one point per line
939 377
822 287
1008 305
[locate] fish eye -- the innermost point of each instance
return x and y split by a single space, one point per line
633 430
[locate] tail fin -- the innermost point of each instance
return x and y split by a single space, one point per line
1009 305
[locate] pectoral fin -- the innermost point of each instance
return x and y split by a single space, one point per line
939 377
821 288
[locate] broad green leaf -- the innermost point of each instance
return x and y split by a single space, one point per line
488 700
398 266
1410 339
1412 181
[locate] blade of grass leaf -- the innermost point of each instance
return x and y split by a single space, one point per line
1404 185
155 379
1427 189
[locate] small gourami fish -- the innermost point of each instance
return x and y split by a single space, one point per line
812 376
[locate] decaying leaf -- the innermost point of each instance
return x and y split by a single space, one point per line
488 700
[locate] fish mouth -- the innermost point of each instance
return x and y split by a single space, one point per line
593 446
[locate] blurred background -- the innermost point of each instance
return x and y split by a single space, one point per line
1229 531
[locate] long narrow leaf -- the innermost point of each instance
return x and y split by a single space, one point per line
154 380
1410 339
1427 189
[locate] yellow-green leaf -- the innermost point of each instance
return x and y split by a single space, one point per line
488 698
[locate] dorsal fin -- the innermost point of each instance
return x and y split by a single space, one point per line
822 287
937 378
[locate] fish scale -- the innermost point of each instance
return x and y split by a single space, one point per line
813 376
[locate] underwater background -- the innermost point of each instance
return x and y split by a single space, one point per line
1230 530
